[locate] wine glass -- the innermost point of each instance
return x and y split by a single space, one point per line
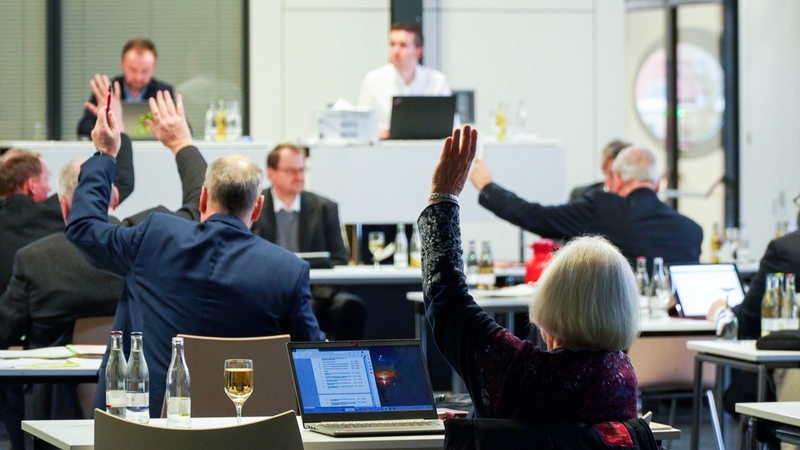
376 240
238 382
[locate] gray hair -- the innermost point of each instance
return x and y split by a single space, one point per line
68 179
636 164
587 296
234 182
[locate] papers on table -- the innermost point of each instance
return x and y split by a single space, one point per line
61 352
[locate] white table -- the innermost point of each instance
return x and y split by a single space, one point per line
778 419
734 354
51 371
368 275
79 435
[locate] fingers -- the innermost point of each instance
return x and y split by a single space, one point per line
180 105
91 107
117 90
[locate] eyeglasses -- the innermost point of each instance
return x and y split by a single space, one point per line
289 171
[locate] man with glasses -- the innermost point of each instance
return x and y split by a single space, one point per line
302 222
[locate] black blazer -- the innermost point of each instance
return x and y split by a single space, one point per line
639 224
319 227
782 255
86 123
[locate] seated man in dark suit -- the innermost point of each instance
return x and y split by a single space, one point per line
136 84
213 278
630 215
610 152
301 221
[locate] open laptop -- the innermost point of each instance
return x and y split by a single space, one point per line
134 115
697 286
415 117
364 388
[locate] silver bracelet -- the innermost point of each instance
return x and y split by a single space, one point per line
443 196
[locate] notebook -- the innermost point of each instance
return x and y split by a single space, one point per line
134 115
364 388
697 286
422 117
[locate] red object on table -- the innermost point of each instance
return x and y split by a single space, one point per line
542 252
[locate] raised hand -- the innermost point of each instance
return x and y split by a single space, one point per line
169 123
454 164
99 86
106 133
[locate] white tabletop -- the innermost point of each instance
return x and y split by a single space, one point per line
782 412
79 435
50 368
742 350
385 274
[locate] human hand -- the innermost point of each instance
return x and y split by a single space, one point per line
99 86
480 175
715 309
106 133
169 123
453 168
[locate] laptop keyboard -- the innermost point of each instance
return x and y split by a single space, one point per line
379 423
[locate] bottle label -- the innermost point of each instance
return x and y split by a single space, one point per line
138 399
116 399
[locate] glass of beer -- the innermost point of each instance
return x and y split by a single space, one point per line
238 382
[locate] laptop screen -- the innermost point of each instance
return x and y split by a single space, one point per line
134 116
698 286
422 117
366 380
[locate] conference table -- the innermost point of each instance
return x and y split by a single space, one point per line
62 364
741 355
79 435
778 420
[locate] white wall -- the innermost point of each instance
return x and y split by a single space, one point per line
770 111
563 58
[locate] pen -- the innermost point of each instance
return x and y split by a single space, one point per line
108 101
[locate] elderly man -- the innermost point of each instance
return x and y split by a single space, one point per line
402 76
136 84
609 154
630 215
213 278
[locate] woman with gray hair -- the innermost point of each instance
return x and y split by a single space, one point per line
586 308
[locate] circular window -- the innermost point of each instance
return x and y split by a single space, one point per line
701 101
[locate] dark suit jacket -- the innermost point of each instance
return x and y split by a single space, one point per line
579 191
214 278
639 224
23 221
319 226
782 255
86 123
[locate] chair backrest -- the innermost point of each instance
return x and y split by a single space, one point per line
273 387
500 434
92 330
277 432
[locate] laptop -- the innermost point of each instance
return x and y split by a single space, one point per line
697 286
364 388
134 115
415 117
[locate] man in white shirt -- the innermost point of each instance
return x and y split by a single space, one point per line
402 76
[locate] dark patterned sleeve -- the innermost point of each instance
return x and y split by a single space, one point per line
461 328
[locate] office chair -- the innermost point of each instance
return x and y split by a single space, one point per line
279 432
501 434
273 387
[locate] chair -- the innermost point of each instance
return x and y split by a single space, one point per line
90 330
501 434
278 432
274 390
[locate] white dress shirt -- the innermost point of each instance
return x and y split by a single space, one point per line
385 82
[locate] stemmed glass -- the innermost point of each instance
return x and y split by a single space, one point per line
238 382
376 240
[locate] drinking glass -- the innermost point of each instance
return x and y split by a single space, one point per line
376 240
238 382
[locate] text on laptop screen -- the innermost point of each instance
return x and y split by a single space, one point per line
698 286
361 379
